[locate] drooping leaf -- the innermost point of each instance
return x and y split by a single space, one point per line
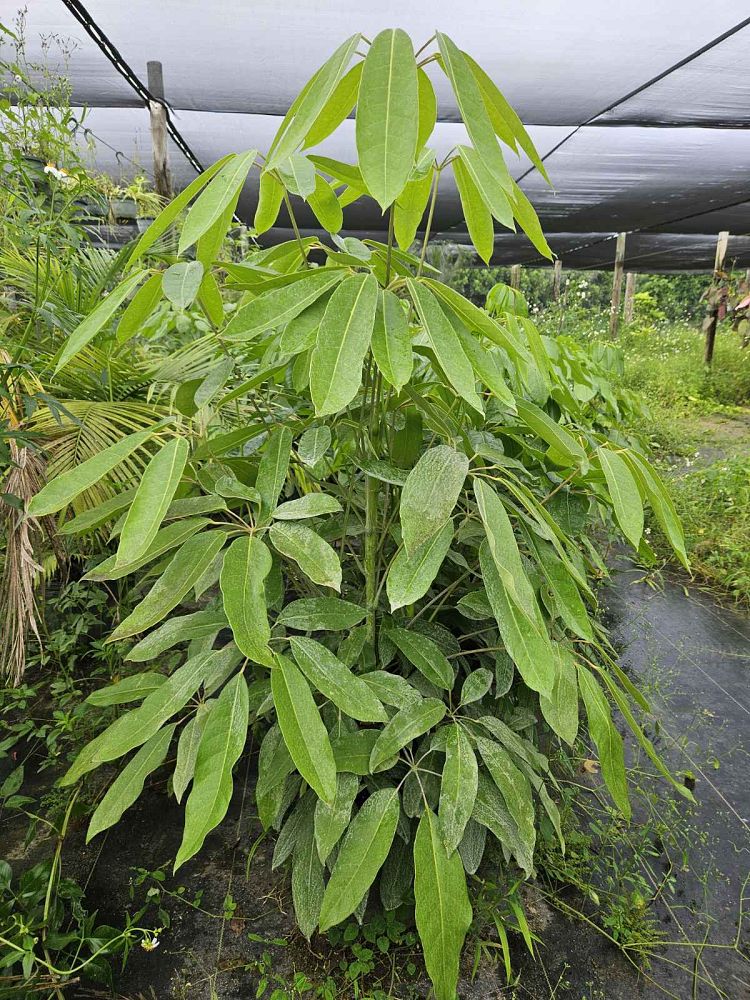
391 341
180 283
476 686
270 197
220 747
626 498
305 735
606 738
155 493
477 214
307 875
331 821
388 115
272 470
528 220
133 688
425 655
314 556
319 614
337 108
410 207
183 628
128 785
561 708
312 505
166 538
406 725
514 788
326 206
458 788
185 568
336 681
556 436
363 850
274 308
430 493
247 563
139 308
343 338
187 750
427 108
410 577
486 186
222 191
62 489
442 908
313 444
658 496
492 812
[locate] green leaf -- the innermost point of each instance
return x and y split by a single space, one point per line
425 655
307 876
351 751
410 577
274 765
132 688
445 343
486 186
155 493
246 565
186 566
442 909
302 728
477 214
514 788
314 556
272 470
170 212
607 739
626 498
471 106
458 789
273 309
321 614
337 108
406 725
427 108
223 191
336 682
388 115
312 505
658 496
95 517
331 821
391 341
343 338
475 605
491 811
184 628
187 750
139 308
409 208
476 686
270 197
297 174
213 383
363 850
166 538
313 444
180 283
430 493
310 102
88 328
62 489
504 550
557 437
560 709
128 784
391 689
325 205
565 593
139 725
528 220
221 745
487 367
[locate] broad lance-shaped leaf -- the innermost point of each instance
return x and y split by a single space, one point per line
391 341
477 215
128 785
445 344
343 338
135 727
528 644
458 788
221 745
410 577
321 614
491 811
185 568
561 708
337 108
514 788
182 628
335 681
430 493
96 320
565 593
187 749
246 565
406 725
62 489
388 115
297 174
155 493
314 556
391 689
626 498
166 538
272 470
557 437
528 220
658 496
331 821
486 186
139 308
476 686
275 308
270 197
442 909
223 191
427 108
180 282
410 207
302 728
307 875
326 206
425 655
133 688
313 444
363 850
95 517
606 738
312 505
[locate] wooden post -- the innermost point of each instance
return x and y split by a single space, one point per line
557 280
158 113
614 316
628 307
712 314
515 276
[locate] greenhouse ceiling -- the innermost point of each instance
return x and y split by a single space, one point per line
640 110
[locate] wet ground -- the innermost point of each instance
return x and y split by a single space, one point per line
231 921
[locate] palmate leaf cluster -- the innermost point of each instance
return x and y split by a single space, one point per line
399 542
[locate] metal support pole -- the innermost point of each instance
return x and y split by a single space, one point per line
712 314
614 316
157 111
628 308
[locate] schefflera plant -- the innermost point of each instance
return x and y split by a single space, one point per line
398 541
